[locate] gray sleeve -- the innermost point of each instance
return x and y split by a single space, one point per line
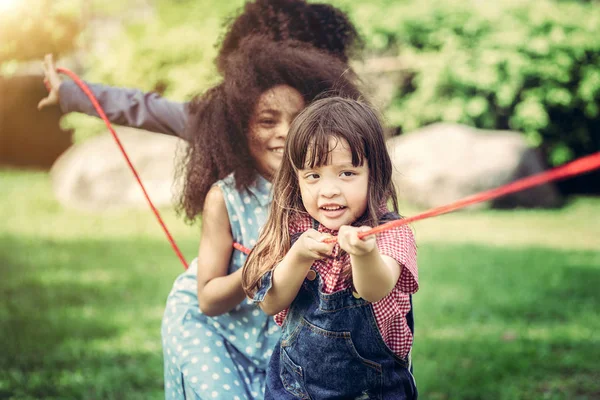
128 107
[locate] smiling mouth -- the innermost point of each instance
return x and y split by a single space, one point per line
332 208
278 150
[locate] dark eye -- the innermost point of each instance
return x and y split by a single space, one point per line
312 177
348 173
267 122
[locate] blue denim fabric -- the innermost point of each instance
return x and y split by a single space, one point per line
331 348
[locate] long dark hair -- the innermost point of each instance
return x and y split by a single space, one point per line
219 121
307 146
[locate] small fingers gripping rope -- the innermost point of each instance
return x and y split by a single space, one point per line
577 167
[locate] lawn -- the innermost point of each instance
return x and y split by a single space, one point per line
508 305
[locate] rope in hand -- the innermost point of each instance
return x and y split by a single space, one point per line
102 115
577 167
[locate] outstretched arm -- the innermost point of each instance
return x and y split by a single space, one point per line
128 107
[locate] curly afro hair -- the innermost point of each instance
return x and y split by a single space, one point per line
219 121
321 25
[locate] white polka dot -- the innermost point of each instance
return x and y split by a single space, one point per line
242 209
204 368
227 370
236 398
247 381
217 359
219 343
206 349
251 369
215 376
168 385
244 318
185 372
232 338
226 387
235 218
169 351
246 335
236 383
173 359
247 200
249 221
230 197
249 350
186 334
258 345
214 394
231 326
216 325
204 386
208 333
185 353
252 242
256 313
194 360
198 325
173 309
194 379
174 340
196 342
254 394
258 210
243 230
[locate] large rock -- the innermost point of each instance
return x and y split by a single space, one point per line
94 176
442 163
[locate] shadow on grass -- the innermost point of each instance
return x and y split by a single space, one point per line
506 323
81 319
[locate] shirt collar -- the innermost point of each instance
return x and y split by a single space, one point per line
261 189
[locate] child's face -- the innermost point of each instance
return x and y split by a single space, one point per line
269 126
335 194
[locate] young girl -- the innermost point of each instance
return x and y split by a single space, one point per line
216 344
343 306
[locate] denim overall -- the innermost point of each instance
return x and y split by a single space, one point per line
331 348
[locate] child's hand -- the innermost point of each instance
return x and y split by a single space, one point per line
310 246
352 244
52 81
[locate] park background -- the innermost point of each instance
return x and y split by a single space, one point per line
508 305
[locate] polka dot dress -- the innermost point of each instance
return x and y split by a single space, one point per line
222 357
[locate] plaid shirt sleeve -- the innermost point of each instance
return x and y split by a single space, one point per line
399 244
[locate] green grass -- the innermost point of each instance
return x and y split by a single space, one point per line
508 305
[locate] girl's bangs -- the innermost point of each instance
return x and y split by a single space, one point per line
317 152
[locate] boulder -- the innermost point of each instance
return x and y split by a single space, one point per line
94 175
442 163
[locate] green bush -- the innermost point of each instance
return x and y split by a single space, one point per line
531 66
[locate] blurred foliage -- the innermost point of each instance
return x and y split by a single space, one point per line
31 28
530 66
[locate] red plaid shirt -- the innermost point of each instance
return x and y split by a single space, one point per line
390 312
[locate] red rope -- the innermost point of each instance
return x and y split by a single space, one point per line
577 167
102 115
